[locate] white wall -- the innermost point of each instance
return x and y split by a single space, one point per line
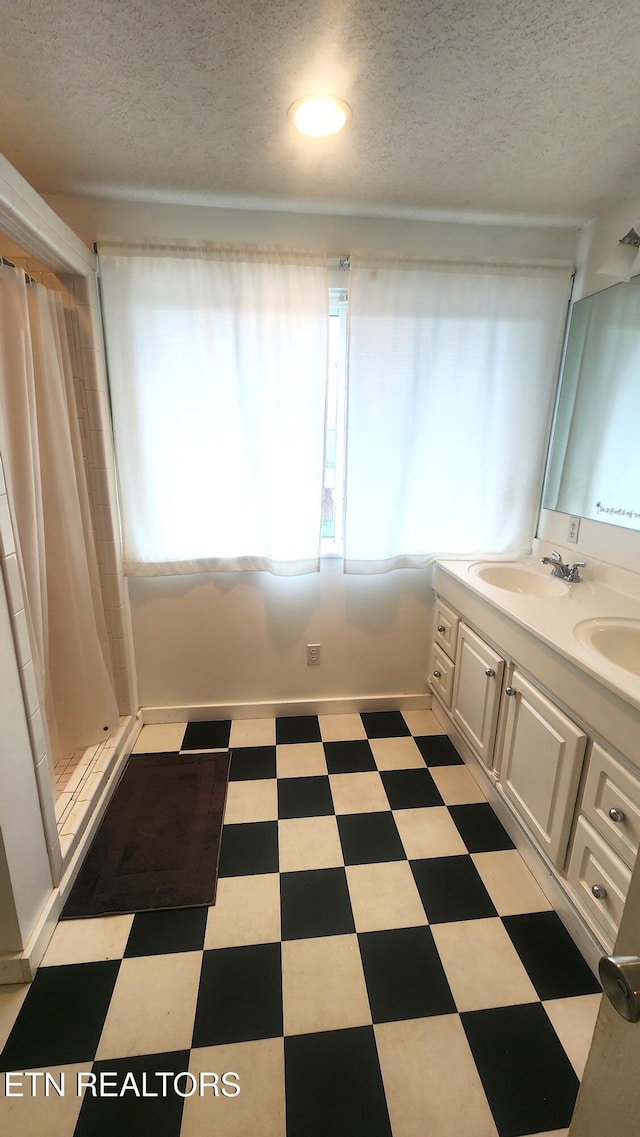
609 543
226 640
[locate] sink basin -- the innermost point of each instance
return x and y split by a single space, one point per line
616 638
526 579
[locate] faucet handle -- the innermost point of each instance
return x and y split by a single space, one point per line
556 554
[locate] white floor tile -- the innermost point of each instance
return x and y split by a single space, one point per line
323 985
396 754
300 760
428 832
509 883
251 801
422 722
88 941
259 1108
483 967
341 728
153 1006
457 785
574 1021
384 896
433 1088
253 732
41 1116
246 911
157 738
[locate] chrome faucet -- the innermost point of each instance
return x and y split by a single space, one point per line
569 573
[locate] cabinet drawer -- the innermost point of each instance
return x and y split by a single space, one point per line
441 675
593 864
445 628
610 786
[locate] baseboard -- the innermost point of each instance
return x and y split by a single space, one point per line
352 705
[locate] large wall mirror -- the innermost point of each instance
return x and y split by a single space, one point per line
594 465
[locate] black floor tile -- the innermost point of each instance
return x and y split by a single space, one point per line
240 995
405 978
304 797
480 828
252 763
368 838
62 1017
104 1116
349 757
206 735
384 724
451 889
410 789
297 728
315 903
334 1085
554 964
249 849
437 750
160 933
529 1082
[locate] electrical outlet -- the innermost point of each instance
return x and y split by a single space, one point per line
313 655
574 529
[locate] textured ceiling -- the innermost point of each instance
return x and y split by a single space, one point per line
501 106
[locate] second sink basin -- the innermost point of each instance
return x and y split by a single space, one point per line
615 638
526 579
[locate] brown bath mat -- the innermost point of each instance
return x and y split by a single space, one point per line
159 842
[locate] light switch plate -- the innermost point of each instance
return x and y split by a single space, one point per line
574 530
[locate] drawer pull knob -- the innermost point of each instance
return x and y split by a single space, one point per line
441 629
616 815
509 690
437 674
489 672
599 891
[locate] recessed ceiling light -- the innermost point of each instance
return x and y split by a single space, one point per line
319 115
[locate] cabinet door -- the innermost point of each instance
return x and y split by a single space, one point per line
476 691
540 763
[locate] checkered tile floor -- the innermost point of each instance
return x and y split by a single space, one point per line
379 961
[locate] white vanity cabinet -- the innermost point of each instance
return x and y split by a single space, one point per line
476 691
539 763
554 748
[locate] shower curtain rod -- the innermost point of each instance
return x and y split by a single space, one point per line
10 264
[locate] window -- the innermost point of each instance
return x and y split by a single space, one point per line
333 497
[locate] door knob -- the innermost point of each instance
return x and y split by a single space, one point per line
437 674
616 814
620 978
441 628
509 690
489 672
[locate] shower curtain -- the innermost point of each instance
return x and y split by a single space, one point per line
41 451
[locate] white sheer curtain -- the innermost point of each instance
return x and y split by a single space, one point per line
43 465
452 372
218 367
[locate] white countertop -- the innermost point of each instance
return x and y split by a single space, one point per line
553 619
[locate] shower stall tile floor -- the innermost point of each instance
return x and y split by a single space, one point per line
379 963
